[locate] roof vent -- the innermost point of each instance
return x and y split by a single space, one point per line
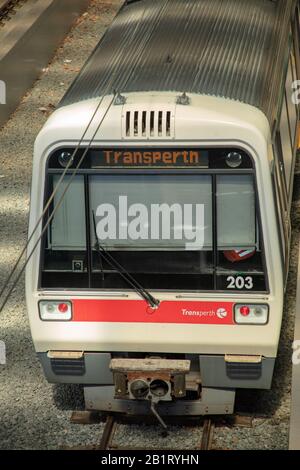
158 124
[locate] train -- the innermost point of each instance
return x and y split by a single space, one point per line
159 229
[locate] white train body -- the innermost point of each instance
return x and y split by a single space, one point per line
229 334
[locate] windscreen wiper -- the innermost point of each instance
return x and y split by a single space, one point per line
154 303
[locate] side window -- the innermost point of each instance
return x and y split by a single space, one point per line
286 142
280 204
240 264
291 107
280 172
236 212
280 195
65 262
296 31
288 122
67 231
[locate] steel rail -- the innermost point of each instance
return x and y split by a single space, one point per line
106 441
108 433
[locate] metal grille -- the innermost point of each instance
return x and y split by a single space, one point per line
242 371
68 366
147 124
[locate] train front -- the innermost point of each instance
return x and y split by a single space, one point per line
157 280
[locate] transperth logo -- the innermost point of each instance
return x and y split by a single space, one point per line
2 92
222 313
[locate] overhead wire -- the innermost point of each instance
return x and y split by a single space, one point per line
141 48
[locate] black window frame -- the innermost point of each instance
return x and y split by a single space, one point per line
213 172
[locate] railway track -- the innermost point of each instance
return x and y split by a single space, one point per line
112 422
207 427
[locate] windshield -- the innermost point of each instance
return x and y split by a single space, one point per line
183 231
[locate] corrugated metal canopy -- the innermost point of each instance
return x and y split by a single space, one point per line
235 49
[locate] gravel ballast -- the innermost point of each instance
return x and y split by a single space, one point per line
35 414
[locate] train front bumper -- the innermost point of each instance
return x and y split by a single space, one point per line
214 370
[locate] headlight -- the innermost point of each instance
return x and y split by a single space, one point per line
254 314
66 158
55 310
234 159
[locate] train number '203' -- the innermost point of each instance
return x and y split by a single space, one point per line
240 282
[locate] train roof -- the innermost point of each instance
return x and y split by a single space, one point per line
234 49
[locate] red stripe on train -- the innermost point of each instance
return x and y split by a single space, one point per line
137 311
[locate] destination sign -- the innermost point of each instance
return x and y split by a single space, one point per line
149 158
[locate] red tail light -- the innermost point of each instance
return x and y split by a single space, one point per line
63 308
244 311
